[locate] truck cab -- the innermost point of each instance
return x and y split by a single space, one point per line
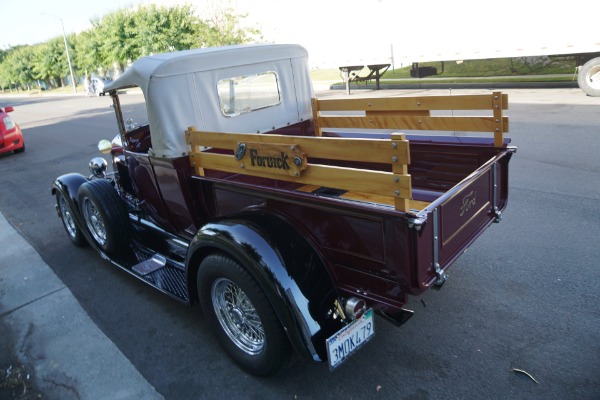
233 89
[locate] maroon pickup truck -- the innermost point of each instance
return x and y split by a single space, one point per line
291 220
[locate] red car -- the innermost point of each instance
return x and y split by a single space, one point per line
11 137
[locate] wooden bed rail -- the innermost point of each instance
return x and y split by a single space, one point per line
284 157
414 113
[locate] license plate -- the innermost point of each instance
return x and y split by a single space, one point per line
349 339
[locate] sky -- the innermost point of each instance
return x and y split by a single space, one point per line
326 27
350 32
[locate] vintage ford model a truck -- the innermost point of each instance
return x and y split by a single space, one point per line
291 220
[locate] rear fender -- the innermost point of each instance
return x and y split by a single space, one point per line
287 269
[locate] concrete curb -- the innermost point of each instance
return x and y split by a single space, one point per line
43 327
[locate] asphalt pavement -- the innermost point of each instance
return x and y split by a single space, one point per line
50 348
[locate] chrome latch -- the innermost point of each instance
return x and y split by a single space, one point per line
495 210
497 215
439 273
442 277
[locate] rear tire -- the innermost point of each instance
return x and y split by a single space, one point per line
68 220
241 316
589 77
105 216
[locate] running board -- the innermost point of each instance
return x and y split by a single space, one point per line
163 273
148 266
168 280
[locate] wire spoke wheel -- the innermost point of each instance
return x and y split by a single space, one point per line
105 216
238 316
94 221
67 217
241 316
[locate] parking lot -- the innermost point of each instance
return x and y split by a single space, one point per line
519 317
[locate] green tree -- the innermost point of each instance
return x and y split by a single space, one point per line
223 27
163 29
49 61
17 66
116 41
120 37
132 33
88 54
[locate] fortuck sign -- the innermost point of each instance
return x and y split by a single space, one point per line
279 159
279 162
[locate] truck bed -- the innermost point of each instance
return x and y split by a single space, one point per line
388 212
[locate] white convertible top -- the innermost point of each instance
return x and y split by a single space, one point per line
180 89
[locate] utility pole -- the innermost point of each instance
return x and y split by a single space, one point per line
66 49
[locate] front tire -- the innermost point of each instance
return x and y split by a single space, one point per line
588 78
68 220
241 316
105 216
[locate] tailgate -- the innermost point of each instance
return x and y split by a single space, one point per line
461 215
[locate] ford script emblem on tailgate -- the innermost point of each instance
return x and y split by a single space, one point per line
468 202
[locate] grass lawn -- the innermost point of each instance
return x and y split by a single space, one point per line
501 69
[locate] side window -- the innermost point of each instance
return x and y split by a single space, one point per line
135 117
244 94
134 111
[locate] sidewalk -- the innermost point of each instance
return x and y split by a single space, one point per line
48 344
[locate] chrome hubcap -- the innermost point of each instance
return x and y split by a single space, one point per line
237 316
94 222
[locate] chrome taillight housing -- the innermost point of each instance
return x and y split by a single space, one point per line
355 307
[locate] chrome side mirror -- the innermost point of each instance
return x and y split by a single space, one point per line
131 125
98 167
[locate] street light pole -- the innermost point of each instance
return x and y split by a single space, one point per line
67 50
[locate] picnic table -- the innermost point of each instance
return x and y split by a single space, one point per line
350 74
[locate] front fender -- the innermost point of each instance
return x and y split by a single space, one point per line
68 185
291 276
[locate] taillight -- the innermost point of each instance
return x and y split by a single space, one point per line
355 307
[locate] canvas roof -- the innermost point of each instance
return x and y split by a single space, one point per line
180 90
197 60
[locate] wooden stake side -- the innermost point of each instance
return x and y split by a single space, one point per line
457 102
467 124
389 113
413 113
361 150
401 202
351 179
497 106
315 112
410 113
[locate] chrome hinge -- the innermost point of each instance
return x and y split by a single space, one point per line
416 223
